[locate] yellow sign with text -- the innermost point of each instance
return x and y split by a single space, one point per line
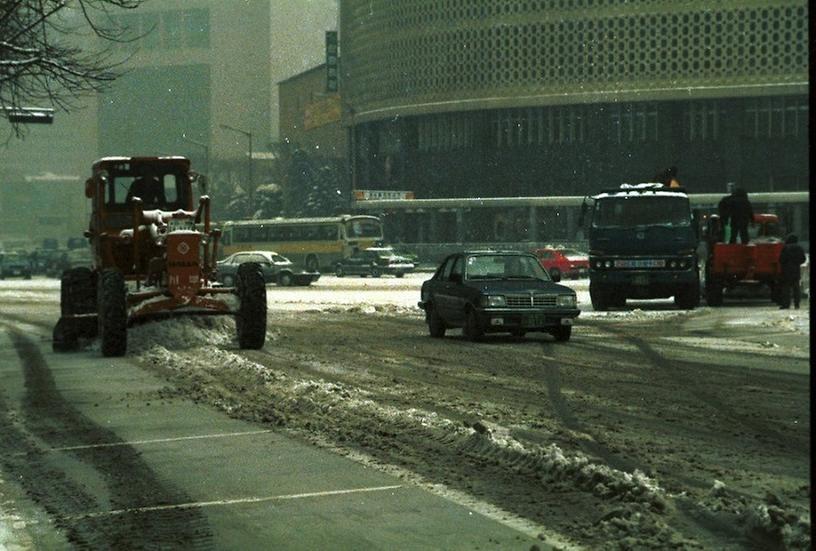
322 112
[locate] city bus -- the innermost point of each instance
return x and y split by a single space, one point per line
314 242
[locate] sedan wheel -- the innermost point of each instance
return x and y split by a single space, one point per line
338 271
436 326
285 280
472 330
228 280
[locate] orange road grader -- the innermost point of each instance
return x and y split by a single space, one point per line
153 256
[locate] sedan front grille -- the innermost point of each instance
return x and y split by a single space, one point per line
528 301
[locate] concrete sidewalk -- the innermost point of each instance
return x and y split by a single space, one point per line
255 488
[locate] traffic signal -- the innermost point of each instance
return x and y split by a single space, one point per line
332 62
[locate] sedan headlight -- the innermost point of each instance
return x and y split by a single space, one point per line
492 301
566 301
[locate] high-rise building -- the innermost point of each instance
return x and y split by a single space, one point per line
564 97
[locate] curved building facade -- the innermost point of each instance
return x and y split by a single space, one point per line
538 97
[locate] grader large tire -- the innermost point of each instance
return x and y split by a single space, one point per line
112 300
77 296
77 292
251 319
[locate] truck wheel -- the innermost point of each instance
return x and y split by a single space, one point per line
555 273
375 271
251 319
562 333
713 294
472 330
688 297
599 297
436 325
112 295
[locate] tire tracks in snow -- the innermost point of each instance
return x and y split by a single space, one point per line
677 370
47 421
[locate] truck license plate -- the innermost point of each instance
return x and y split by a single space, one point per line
640 279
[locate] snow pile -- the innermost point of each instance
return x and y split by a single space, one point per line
774 523
552 463
635 314
792 321
349 413
182 333
758 347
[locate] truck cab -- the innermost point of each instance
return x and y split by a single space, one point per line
642 244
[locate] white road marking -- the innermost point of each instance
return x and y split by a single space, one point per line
222 502
155 441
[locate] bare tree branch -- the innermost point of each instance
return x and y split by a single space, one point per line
48 55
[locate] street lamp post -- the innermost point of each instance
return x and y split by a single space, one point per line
206 149
251 190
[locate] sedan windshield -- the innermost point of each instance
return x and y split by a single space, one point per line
504 267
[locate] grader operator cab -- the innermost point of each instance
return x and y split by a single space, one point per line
153 255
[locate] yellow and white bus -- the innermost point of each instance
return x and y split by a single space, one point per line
314 242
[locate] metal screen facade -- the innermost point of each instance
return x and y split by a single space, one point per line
454 97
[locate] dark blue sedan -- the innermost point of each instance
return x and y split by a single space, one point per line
497 291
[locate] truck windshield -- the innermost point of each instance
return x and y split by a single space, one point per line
653 210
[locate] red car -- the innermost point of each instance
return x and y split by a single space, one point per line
563 262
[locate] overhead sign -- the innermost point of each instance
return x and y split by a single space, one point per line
319 113
332 62
376 195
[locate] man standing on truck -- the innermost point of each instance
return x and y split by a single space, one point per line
790 261
736 209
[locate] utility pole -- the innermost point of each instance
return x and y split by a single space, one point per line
206 149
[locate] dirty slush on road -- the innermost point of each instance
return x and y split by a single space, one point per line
609 442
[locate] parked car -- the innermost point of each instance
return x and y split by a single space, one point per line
563 262
497 291
275 268
374 261
13 264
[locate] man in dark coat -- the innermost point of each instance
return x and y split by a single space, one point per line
740 213
147 188
790 260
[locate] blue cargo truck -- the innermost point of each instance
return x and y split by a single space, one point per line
642 245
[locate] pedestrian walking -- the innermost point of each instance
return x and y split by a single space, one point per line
790 261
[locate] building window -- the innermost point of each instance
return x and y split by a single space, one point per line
167 29
196 28
776 117
171 29
445 132
703 121
634 122
539 126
